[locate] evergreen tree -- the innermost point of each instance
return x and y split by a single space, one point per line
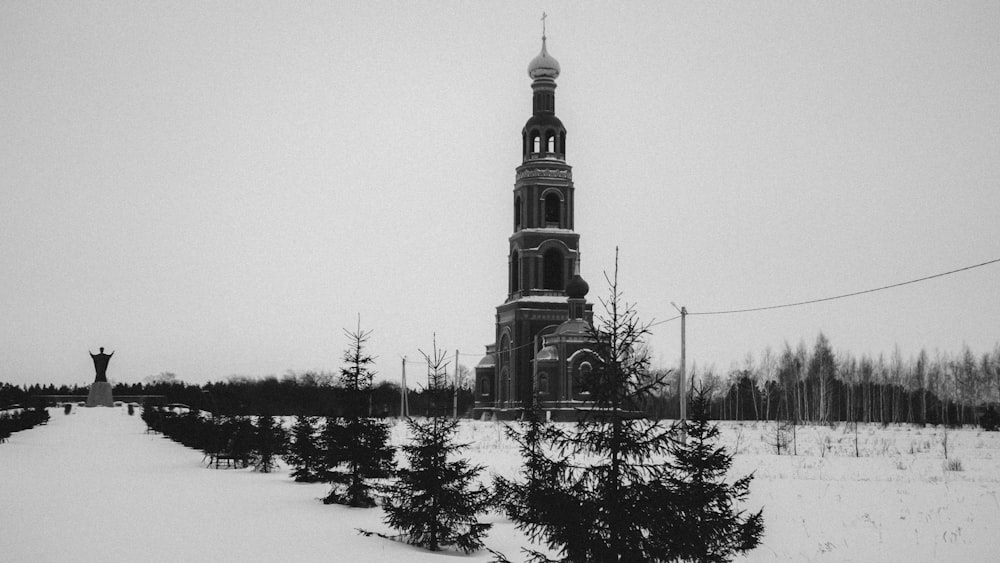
304 453
357 450
269 441
597 492
523 500
703 523
240 437
6 427
357 446
434 503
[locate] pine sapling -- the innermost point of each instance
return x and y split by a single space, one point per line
434 503
304 454
357 448
269 441
703 523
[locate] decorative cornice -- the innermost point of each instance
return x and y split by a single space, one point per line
545 173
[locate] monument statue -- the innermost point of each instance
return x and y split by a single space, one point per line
100 390
101 364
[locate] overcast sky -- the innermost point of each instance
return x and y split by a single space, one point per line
214 189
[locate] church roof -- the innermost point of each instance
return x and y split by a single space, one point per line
574 326
544 65
577 287
547 353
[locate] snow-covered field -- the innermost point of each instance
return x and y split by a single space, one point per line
93 486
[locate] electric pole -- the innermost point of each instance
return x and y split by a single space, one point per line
404 400
683 374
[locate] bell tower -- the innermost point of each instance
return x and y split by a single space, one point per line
543 250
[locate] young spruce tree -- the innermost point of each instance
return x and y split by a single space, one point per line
703 523
434 503
269 442
304 453
597 492
357 445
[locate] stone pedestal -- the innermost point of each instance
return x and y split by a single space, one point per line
100 395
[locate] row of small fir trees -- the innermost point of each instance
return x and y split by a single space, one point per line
15 420
616 487
433 501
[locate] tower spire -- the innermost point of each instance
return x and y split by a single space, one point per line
544 15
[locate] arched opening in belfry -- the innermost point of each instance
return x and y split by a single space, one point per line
550 142
536 143
553 276
515 272
553 210
517 213
562 143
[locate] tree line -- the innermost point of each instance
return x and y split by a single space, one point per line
309 393
816 385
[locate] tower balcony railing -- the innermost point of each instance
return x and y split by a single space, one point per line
546 156
537 293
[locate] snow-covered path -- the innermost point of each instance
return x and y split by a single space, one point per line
93 486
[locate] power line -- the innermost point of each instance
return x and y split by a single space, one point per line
657 323
925 278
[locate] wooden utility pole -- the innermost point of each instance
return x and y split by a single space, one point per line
682 396
683 371
404 399
454 389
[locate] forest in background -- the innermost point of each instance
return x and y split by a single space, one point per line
309 393
815 385
802 384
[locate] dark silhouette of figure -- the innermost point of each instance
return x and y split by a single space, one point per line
101 365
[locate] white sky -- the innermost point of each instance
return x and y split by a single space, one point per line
218 188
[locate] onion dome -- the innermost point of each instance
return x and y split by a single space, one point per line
544 65
573 327
577 287
488 361
547 354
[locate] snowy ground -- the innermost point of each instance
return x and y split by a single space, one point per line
93 486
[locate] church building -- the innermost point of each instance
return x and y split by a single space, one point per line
542 353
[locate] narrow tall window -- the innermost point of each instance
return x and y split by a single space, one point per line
517 213
552 270
550 143
536 143
553 214
515 272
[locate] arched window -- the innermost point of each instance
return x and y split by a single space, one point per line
562 143
581 380
517 213
553 210
550 142
515 272
552 270
536 143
